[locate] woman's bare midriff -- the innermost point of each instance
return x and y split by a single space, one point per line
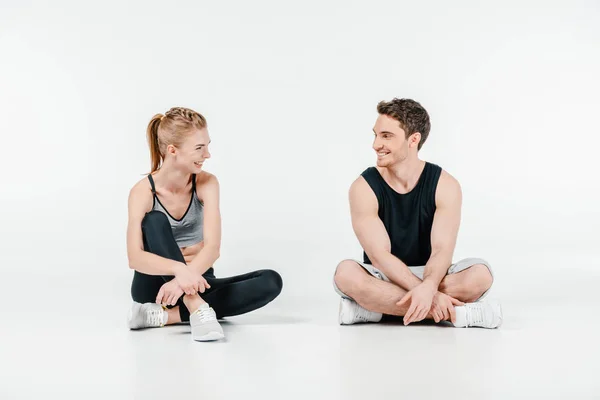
191 251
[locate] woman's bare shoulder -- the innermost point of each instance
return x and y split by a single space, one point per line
206 179
141 193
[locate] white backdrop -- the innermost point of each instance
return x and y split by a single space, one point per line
289 90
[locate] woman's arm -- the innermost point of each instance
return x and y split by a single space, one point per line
140 202
207 188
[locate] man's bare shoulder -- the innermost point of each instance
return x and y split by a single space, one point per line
359 185
362 197
448 189
360 188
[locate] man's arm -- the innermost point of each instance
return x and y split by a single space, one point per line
446 222
211 250
373 237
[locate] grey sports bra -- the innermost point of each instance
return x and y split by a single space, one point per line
189 229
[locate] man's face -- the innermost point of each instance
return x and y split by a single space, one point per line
390 142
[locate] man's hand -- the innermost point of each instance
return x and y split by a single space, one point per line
420 297
169 293
442 307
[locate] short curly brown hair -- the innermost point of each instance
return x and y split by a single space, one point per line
410 114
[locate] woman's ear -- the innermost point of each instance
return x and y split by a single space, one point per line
171 149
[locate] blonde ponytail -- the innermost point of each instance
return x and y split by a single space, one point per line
152 133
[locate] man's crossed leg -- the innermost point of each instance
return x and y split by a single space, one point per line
367 294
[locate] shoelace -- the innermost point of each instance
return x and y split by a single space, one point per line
475 315
206 314
154 316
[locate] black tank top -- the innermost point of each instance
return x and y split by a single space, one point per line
408 218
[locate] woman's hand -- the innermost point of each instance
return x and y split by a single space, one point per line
169 293
190 281
186 279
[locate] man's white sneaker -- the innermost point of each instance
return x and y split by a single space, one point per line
148 315
205 326
482 314
352 313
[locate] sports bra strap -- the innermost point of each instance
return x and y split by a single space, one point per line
154 188
152 184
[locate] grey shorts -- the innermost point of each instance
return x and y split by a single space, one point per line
418 272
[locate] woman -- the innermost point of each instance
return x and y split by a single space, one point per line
174 237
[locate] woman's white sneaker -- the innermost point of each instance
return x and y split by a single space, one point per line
205 326
148 315
351 313
482 314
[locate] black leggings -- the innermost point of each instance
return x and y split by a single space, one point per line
227 296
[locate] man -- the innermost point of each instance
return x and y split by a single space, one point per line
406 215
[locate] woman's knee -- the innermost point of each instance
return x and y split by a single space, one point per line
155 219
272 282
156 229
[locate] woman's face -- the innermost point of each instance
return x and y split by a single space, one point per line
192 153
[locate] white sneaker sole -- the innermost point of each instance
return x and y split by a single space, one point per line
130 315
209 337
347 310
342 312
500 315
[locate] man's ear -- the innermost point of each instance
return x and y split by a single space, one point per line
414 139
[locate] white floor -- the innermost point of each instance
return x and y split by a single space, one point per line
549 347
